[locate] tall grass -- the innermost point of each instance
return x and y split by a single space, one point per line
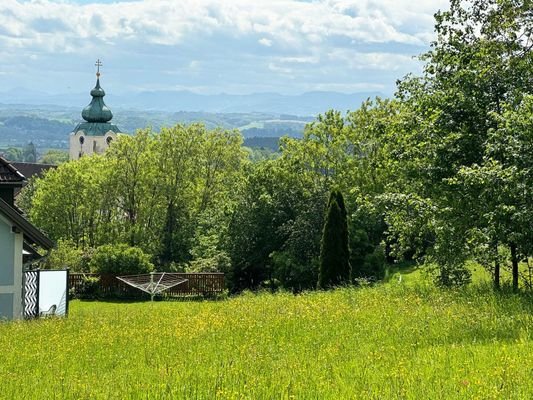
389 341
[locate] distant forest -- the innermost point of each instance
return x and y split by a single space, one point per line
49 127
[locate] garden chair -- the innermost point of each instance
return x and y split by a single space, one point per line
50 313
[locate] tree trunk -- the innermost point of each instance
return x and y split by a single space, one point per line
496 268
497 274
167 251
514 262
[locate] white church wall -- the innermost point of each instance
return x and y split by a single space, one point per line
81 144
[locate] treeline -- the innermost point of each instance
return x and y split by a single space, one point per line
30 154
267 143
273 131
442 173
18 129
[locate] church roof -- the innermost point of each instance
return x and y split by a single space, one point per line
9 175
96 128
97 111
97 115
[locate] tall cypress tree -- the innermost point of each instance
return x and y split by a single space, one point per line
334 253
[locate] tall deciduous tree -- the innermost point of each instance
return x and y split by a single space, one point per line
67 202
479 66
149 190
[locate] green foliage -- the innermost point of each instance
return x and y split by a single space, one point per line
120 259
335 266
70 202
24 199
291 273
149 190
218 262
255 230
473 82
88 288
440 174
28 153
54 157
67 255
14 154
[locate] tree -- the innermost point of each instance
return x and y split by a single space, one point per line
319 158
171 194
54 157
479 66
120 259
335 266
260 223
68 202
14 154
132 190
499 191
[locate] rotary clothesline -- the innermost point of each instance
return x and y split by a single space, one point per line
153 283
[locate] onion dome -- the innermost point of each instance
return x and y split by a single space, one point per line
97 115
97 111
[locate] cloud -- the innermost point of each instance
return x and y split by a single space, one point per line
291 20
265 42
371 60
239 39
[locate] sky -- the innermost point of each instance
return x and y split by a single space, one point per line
213 46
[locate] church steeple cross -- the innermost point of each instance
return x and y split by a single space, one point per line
98 64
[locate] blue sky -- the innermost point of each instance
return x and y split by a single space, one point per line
213 46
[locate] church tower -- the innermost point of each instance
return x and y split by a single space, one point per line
96 133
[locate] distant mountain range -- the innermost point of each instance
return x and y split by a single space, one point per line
310 103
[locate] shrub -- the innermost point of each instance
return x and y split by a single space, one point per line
120 259
452 275
216 263
88 288
374 267
292 273
67 255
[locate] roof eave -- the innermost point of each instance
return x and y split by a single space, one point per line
29 231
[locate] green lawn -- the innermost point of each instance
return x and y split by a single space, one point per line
392 341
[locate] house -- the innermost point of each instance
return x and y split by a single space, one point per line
18 240
31 171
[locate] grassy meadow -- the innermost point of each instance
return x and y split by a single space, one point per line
392 341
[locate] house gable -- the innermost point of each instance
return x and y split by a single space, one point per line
14 231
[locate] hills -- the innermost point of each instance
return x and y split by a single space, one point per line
47 119
49 126
305 104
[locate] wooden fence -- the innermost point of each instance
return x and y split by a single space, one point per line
196 285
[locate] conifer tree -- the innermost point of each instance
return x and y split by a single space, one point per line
334 253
